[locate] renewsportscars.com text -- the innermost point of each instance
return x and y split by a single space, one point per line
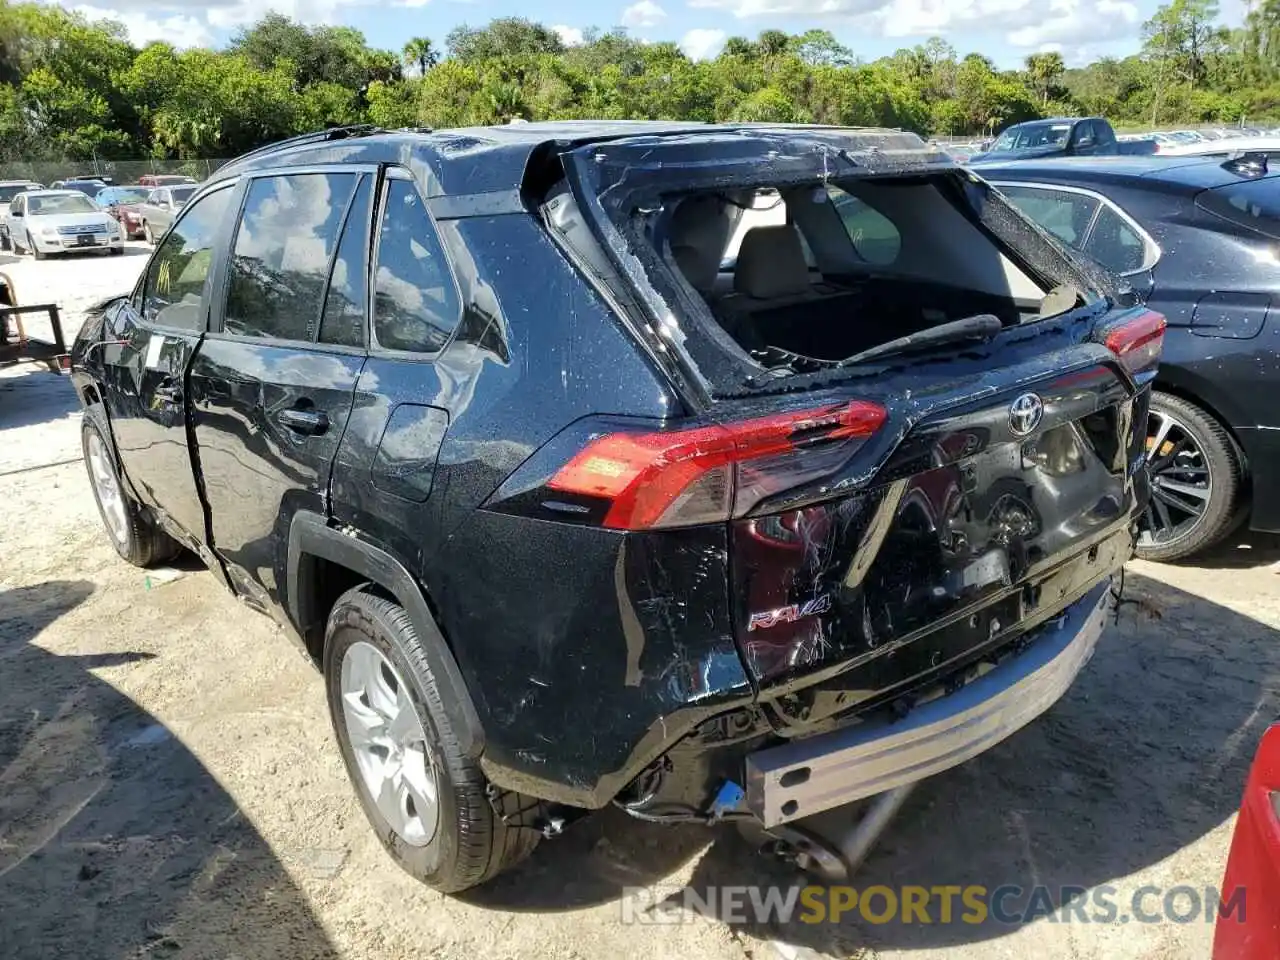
974 904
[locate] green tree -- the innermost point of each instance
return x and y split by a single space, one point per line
419 53
1045 71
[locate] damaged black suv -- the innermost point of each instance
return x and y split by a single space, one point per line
711 472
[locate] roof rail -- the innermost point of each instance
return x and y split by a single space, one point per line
316 136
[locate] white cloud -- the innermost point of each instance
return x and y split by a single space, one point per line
1023 23
1079 21
702 44
643 14
181 30
569 36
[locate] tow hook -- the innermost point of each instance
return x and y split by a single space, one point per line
832 859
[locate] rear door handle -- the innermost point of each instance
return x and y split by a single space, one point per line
310 423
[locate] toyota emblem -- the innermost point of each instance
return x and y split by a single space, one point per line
1025 414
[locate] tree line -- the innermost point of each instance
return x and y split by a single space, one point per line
74 89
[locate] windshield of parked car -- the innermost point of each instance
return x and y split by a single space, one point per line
9 191
123 195
181 194
89 188
1030 135
56 203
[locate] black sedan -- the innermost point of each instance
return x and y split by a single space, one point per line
1199 240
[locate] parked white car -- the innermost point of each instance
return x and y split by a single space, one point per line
42 222
1266 145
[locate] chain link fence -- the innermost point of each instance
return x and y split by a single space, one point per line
119 171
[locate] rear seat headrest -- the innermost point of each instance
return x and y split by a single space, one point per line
771 263
697 237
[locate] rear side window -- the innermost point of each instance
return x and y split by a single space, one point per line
1066 215
174 287
284 243
416 305
875 238
1253 204
348 297
1115 244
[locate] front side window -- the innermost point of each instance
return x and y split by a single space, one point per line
1066 215
280 260
415 302
174 286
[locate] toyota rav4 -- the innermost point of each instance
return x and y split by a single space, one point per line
713 472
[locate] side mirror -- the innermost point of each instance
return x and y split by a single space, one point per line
17 214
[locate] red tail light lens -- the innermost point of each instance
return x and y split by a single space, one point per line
1138 342
704 474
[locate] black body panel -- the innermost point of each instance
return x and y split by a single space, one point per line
576 655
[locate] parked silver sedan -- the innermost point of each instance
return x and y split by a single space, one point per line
160 209
43 222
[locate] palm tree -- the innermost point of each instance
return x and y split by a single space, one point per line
419 53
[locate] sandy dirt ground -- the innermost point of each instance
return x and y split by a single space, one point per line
169 786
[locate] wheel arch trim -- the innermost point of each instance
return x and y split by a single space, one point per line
310 534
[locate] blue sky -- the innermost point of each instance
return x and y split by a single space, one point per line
1005 30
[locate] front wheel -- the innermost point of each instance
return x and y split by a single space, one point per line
148 235
425 799
1196 481
35 251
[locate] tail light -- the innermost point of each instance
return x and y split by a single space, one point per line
709 473
1138 341
1248 925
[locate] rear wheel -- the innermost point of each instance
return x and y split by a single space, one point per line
1196 479
132 533
426 800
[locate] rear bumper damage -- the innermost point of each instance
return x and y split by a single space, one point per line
806 777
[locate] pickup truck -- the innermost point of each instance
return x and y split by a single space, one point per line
1060 137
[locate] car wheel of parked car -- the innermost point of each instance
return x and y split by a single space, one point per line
35 251
148 235
1196 477
426 800
132 532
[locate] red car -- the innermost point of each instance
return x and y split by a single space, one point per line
1253 866
154 180
121 203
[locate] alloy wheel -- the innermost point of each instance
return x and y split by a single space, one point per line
107 489
1181 481
389 743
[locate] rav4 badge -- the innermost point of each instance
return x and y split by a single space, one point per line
789 614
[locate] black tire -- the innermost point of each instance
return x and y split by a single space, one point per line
1224 510
147 235
140 541
471 843
116 251
35 251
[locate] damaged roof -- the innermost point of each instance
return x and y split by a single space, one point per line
477 160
